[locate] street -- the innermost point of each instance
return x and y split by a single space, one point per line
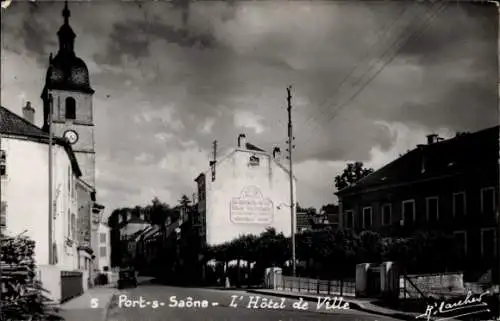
155 302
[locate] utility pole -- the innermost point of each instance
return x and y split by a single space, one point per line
1 232
51 206
497 238
292 201
214 161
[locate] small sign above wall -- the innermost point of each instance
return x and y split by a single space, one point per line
254 161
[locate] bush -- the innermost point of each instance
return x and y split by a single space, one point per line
22 294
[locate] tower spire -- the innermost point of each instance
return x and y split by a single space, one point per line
66 13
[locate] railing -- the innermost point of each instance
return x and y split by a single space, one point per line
71 285
316 286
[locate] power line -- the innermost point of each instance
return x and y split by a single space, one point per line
441 6
383 32
388 51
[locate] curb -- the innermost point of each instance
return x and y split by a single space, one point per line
107 308
353 305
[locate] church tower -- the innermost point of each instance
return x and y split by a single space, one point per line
67 85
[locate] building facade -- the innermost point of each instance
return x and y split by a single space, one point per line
449 185
244 192
104 255
25 190
68 95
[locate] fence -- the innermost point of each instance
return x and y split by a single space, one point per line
316 286
71 285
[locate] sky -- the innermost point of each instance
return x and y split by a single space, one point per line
369 81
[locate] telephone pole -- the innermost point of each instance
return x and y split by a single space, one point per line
292 201
213 162
51 206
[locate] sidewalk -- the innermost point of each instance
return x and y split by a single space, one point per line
364 305
90 306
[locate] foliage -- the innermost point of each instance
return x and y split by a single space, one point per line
184 201
22 294
351 174
335 253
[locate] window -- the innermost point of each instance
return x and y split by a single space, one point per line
73 226
488 249
459 204
70 108
349 219
488 200
461 242
386 214
102 251
103 237
367 217
3 215
408 212
3 163
68 232
432 209
254 161
69 181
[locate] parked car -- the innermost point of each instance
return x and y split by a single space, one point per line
127 277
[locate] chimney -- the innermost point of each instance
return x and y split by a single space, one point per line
242 141
29 112
276 153
432 138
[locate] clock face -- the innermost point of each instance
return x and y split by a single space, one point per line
71 136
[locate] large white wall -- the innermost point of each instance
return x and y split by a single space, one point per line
233 176
26 192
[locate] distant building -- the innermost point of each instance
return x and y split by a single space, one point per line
326 219
104 255
303 221
243 192
124 226
449 185
129 225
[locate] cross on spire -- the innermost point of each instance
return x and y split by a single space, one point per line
66 13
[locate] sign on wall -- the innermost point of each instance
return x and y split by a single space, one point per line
251 207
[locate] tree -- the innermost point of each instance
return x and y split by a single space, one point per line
184 201
159 212
351 174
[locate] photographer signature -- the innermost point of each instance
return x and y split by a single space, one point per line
445 308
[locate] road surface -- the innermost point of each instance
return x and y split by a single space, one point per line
154 303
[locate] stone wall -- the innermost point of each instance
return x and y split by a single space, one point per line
437 285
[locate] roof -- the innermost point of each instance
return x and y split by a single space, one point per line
463 153
248 147
13 125
133 220
253 147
